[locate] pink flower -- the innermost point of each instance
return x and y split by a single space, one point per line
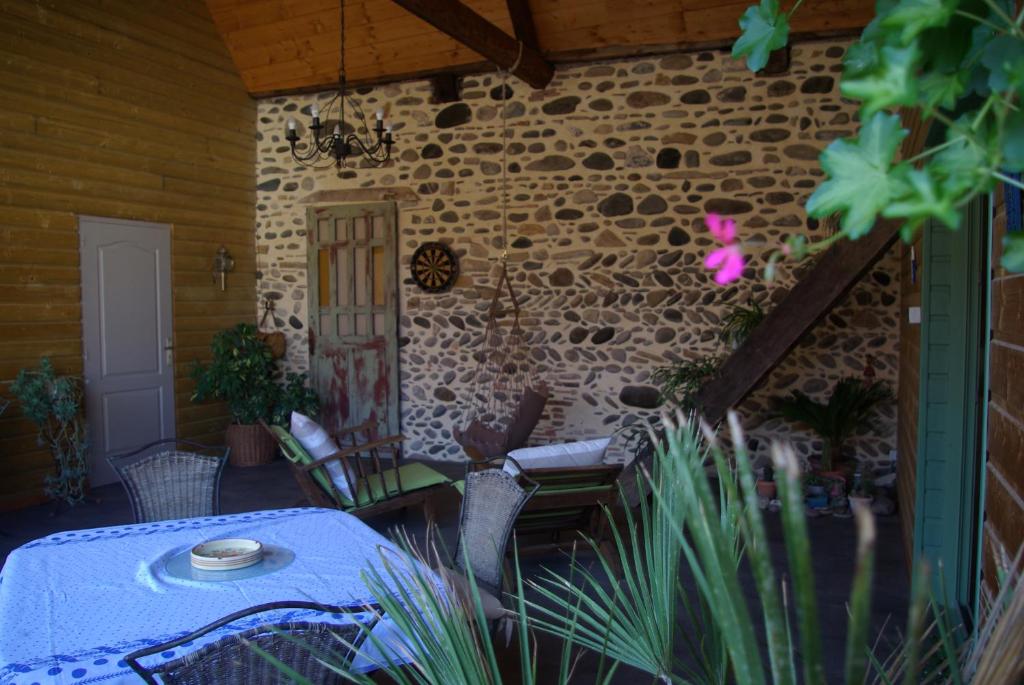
728 259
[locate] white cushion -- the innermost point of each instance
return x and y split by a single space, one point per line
312 436
582 453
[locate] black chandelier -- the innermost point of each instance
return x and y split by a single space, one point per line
341 143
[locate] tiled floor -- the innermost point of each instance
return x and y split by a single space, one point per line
272 487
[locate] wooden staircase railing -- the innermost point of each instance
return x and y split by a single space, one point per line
832 277
837 270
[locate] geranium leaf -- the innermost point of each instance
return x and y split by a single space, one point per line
911 17
764 28
1004 59
1013 142
1013 252
960 168
859 183
941 90
916 197
861 58
890 83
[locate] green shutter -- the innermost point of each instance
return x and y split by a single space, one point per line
950 438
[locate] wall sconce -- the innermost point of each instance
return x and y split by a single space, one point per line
222 264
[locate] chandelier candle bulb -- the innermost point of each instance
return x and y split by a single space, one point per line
360 138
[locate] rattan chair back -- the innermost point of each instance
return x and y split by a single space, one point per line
492 500
172 479
304 647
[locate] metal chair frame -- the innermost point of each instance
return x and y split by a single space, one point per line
148 674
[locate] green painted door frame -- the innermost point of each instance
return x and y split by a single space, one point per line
951 420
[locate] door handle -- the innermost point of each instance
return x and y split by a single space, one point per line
169 351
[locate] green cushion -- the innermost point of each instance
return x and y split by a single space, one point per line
296 453
570 489
415 476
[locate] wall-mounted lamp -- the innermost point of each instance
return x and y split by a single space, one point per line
222 264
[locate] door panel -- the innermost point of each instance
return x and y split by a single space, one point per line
126 324
354 314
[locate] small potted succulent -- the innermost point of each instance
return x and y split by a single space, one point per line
816 489
241 373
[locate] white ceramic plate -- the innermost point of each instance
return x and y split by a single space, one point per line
226 554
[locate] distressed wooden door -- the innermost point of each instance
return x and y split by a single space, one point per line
353 311
127 339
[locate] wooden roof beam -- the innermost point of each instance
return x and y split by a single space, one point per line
478 34
522 21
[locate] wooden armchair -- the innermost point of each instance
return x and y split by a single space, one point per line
376 479
568 502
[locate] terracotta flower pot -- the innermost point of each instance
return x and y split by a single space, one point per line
767 488
251 445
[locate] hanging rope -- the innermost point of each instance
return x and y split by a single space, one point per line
506 400
504 153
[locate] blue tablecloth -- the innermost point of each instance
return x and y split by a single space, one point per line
73 604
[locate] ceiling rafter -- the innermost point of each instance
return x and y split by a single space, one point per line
478 34
523 24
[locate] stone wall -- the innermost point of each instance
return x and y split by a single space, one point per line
611 169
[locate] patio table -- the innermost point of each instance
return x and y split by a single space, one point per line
73 604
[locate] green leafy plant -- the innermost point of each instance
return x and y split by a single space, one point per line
241 374
679 382
740 322
850 409
714 529
54 404
959 63
294 395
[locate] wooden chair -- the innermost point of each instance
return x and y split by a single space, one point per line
569 501
376 489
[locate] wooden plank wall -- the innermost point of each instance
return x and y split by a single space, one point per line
1004 471
908 393
116 108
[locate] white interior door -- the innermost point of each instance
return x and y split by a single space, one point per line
126 324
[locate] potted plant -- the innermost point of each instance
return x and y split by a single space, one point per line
680 382
862 492
740 322
850 409
241 374
766 485
54 404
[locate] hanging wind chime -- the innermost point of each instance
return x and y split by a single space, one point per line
506 399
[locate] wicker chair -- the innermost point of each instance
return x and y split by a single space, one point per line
491 502
231 660
172 479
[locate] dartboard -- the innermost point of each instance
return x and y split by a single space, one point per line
434 267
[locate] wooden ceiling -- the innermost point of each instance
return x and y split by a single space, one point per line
292 45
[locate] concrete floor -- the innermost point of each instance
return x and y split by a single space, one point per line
272 487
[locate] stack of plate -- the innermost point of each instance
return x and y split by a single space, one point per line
228 554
